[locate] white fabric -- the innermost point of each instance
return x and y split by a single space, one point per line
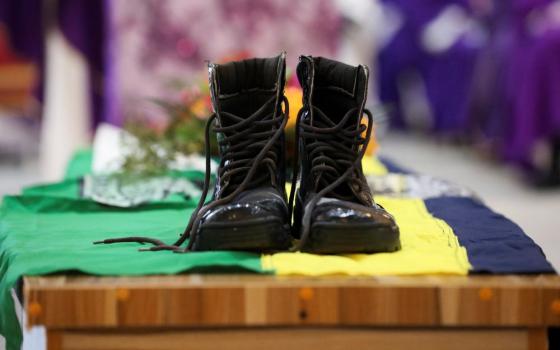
66 117
111 145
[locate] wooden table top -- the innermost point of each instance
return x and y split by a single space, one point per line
194 300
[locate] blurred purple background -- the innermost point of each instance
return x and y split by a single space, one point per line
477 71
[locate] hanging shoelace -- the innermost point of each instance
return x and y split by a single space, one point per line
335 160
240 159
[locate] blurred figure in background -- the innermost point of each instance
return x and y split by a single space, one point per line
478 70
522 62
64 41
514 106
426 65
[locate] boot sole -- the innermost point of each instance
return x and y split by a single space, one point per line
259 235
352 238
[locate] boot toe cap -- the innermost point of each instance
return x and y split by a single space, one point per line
251 206
342 212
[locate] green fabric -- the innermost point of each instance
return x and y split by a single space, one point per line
65 189
51 229
80 164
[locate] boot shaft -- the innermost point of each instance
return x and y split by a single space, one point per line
331 90
333 87
246 89
242 87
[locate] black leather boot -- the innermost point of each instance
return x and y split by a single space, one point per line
334 209
248 210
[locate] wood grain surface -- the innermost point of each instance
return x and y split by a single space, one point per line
80 302
301 338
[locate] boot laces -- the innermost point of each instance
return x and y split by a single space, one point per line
336 151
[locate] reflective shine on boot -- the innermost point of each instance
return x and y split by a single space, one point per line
334 209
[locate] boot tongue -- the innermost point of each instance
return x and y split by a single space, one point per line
338 87
244 86
329 73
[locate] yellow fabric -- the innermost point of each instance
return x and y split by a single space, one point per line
372 166
429 246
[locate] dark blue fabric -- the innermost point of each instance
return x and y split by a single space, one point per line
494 243
394 167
